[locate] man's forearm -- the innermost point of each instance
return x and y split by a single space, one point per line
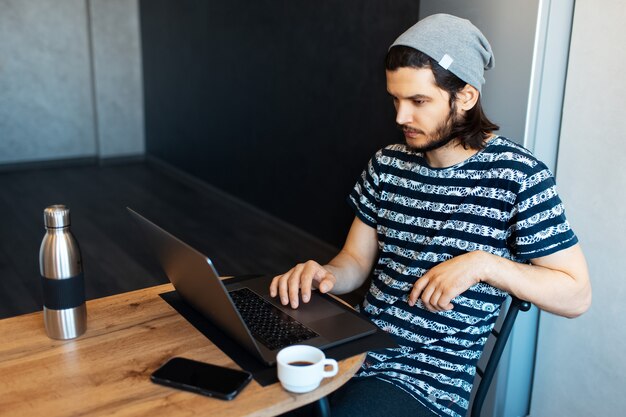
349 272
557 283
353 263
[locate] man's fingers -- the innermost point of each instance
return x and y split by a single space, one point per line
274 286
418 287
437 298
326 284
445 303
309 275
294 290
299 281
296 282
434 300
426 297
284 283
282 288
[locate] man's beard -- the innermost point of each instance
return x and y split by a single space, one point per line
441 136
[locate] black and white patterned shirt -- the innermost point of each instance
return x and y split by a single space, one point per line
501 200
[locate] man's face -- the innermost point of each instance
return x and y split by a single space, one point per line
422 108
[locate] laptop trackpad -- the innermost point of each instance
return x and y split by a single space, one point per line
316 309
342 326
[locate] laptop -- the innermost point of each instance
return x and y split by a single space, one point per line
244 310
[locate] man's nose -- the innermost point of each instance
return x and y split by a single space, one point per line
403 114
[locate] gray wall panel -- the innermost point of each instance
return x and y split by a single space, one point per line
118 79
50 105
45 100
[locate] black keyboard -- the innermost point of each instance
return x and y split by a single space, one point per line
268 324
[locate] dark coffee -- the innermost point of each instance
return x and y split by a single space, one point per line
300 363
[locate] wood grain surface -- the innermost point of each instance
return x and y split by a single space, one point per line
106 371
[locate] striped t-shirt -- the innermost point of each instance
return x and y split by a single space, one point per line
501 200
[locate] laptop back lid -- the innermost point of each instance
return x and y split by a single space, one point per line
196 280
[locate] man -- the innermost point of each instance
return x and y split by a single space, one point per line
452 222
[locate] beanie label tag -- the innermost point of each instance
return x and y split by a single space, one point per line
446 61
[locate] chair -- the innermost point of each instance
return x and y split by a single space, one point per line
501 336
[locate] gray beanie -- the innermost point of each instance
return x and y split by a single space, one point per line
455 43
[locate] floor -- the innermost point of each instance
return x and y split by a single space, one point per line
238 238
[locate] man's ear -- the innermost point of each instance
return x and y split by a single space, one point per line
466 98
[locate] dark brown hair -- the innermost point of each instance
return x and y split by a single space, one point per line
474 127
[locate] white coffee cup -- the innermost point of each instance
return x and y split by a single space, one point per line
301 368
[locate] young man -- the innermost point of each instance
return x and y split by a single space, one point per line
452 222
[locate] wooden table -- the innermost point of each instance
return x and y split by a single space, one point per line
106 371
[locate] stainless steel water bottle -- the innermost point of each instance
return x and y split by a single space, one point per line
60 265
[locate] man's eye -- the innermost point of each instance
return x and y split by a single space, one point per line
418 102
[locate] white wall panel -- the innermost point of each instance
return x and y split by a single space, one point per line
580 368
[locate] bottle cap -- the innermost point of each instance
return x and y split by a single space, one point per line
56 216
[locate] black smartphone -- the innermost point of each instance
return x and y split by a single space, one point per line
202 378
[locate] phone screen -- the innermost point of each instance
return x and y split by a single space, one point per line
202 378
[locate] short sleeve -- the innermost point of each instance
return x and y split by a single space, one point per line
365 196
539 225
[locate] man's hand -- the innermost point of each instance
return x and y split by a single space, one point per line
351 265
558 283
299 280
437 287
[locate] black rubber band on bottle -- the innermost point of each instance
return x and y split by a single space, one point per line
59 294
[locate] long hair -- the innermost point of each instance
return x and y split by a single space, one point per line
474 127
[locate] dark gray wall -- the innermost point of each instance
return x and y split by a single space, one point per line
280 103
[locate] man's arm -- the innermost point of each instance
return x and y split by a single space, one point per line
558 283
345 272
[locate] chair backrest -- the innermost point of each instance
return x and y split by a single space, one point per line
502 335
